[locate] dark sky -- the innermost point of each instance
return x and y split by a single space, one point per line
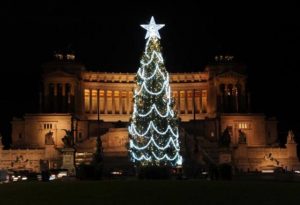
107 37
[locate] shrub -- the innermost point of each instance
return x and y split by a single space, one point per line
225 171
45 176
85 172
154 172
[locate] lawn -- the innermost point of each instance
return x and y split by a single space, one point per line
150 192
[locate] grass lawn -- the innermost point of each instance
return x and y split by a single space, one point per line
150 192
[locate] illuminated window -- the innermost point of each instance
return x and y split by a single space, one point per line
244 125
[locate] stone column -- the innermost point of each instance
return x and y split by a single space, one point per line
63 89
200 104
1 146
120 102
127 100
185 102
194 103
113 102
72 89
55 89
237 99
105 101
72 98
91 100
226 99
83 100
178 102
98 102
64 97
55 97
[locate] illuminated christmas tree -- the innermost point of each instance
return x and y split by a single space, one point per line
153 129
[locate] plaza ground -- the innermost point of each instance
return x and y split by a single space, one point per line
150 192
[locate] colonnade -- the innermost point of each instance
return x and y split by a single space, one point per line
121 101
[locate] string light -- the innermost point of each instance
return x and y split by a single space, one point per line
149 91
132 130
175 144
150 142
153 107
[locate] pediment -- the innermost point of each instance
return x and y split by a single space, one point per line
231 74
59 73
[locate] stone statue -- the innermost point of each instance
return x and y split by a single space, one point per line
1 140
290 137
242 137
271 158
225 138
68 139
49 138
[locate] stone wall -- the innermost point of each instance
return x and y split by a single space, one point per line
29 159
265 158
31 131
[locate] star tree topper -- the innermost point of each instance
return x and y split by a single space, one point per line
152 28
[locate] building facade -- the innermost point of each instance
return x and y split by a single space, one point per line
209 103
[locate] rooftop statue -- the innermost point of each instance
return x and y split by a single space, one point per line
291 137
1 140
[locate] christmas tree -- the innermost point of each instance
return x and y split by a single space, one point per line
153 129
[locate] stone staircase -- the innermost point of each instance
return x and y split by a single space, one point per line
199 148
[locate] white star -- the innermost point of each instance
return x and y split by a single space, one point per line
152 28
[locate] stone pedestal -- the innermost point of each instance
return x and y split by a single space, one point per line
241 157
225 158
1 145
69 160
1 148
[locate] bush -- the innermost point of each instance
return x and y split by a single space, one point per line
98 171
89 172
225 171
154 172
45 176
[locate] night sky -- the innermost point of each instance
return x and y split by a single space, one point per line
109 38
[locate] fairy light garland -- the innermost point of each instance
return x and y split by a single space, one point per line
153 127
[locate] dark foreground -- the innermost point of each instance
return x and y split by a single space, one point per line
150 192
